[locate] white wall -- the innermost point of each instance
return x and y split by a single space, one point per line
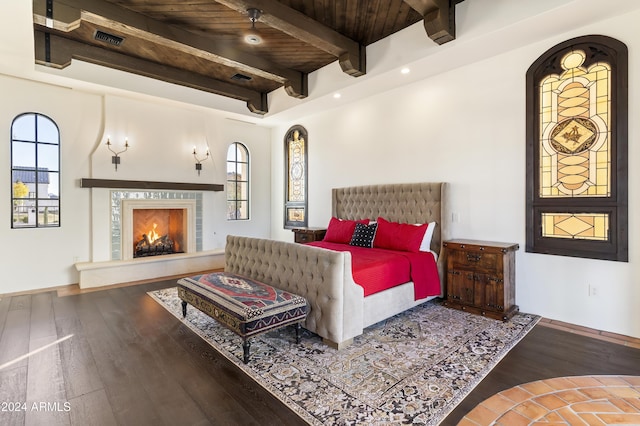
467 127
161 136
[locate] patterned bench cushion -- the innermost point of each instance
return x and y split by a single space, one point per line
245 306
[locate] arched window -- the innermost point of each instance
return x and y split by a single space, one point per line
577 150
35 172
295 197
237 182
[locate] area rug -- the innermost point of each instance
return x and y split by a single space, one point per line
412 368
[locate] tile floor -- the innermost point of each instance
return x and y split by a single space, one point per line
583 400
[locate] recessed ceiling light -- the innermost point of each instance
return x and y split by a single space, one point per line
253 38
337 95
405 70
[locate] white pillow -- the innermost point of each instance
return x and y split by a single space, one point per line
428 235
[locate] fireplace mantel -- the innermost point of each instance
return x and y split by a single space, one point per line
146 184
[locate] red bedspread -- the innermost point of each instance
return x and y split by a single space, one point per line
378 269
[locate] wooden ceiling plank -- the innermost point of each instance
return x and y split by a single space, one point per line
379 17
125 21
393 15
340 13
351 54
352 10
439 18
62 50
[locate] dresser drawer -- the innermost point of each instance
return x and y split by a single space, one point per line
477 260
308 235
303 237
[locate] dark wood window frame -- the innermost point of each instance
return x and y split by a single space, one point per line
614 52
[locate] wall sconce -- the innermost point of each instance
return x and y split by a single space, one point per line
115 159
199 160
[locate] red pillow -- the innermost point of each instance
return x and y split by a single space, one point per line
341 231
399 236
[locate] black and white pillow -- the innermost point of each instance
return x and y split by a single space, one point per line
363 235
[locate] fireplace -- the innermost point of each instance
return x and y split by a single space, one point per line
158 232
113 237
157 227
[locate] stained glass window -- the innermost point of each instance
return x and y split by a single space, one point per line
575 225
296 168
576 150
296 177
575 109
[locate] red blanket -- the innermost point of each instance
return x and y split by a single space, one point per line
377 269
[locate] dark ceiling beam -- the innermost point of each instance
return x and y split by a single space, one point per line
68 14
57 52
351 54
439 18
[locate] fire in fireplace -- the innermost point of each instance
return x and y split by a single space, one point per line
158 232
153 244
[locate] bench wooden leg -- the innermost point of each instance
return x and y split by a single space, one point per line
246 344
184 309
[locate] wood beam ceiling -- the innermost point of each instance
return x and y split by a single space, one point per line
200 44
350 53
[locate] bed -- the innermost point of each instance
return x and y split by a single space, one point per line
339 310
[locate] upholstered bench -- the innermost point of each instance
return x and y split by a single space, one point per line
245 306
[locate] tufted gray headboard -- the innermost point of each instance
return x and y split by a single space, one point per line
404 202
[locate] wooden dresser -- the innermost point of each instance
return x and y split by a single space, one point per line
481 277
307 235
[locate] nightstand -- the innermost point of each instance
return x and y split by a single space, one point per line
307 235
481 277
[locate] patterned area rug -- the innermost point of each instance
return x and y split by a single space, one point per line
412 368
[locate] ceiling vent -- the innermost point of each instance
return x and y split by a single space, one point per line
240 77
108 38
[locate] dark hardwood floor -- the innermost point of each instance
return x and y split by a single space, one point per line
129 362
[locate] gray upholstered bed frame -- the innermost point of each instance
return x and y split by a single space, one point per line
339 310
